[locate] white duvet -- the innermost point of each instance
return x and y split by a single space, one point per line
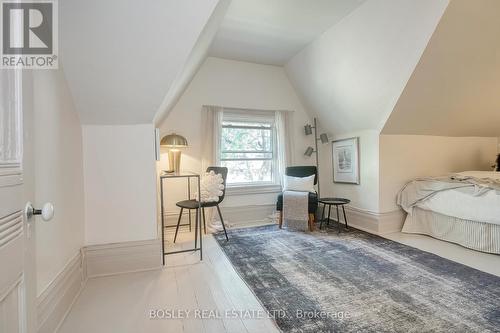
462 204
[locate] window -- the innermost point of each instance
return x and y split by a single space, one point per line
248 149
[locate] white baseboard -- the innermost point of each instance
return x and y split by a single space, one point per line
126 257
375 223
172 216
233 216
363 220
245 215
390 222
56 300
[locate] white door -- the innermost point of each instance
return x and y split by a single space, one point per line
17 234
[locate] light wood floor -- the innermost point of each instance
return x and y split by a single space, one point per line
122 303
485 262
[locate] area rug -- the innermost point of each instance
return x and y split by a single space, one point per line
359 282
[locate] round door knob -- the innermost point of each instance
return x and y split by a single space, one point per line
47 211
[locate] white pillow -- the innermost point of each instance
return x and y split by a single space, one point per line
300 184
211 187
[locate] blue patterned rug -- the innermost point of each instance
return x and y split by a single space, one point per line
359 282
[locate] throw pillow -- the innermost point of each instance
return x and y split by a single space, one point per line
301 184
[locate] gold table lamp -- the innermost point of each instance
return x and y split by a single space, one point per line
174 142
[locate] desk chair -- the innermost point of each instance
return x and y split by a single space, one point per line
193 204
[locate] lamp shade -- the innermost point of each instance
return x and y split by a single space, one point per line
309 151
308 129
324 138
173 141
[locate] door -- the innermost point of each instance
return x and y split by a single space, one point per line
17 234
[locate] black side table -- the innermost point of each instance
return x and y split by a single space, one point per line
333 202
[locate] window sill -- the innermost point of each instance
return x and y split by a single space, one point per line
252 189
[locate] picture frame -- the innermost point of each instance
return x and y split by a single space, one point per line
345 159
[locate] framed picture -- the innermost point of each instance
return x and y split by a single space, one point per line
345 154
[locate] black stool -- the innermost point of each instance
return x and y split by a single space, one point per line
333 202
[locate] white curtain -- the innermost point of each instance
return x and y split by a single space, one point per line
211 123
284 142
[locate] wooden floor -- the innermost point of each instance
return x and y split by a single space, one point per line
122 303
486 262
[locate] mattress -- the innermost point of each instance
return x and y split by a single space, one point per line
472 234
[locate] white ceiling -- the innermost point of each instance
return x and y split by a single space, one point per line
120 58
352 76
273 31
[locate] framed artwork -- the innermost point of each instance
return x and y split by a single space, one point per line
345 154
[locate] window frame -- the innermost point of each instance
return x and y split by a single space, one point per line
253 116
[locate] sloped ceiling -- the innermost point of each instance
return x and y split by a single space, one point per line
193 63
272 31
353 74
121 56
455 89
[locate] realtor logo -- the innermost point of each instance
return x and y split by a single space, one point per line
29 34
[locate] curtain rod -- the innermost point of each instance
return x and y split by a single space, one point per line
246 109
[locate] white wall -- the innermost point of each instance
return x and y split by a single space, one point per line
405 157
387 162
58 174
364 196
453 91
120 188
353 74
232 84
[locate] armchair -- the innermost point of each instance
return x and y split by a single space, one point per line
301 171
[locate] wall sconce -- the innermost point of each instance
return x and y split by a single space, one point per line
174 142
308 130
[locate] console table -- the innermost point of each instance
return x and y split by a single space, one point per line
188 176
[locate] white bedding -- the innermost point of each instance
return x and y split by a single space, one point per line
462 204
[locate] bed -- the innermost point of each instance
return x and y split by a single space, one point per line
462 208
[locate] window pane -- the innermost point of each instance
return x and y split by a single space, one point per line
246 156
245 139
10 118
248 171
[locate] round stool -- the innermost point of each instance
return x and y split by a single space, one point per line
333 202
